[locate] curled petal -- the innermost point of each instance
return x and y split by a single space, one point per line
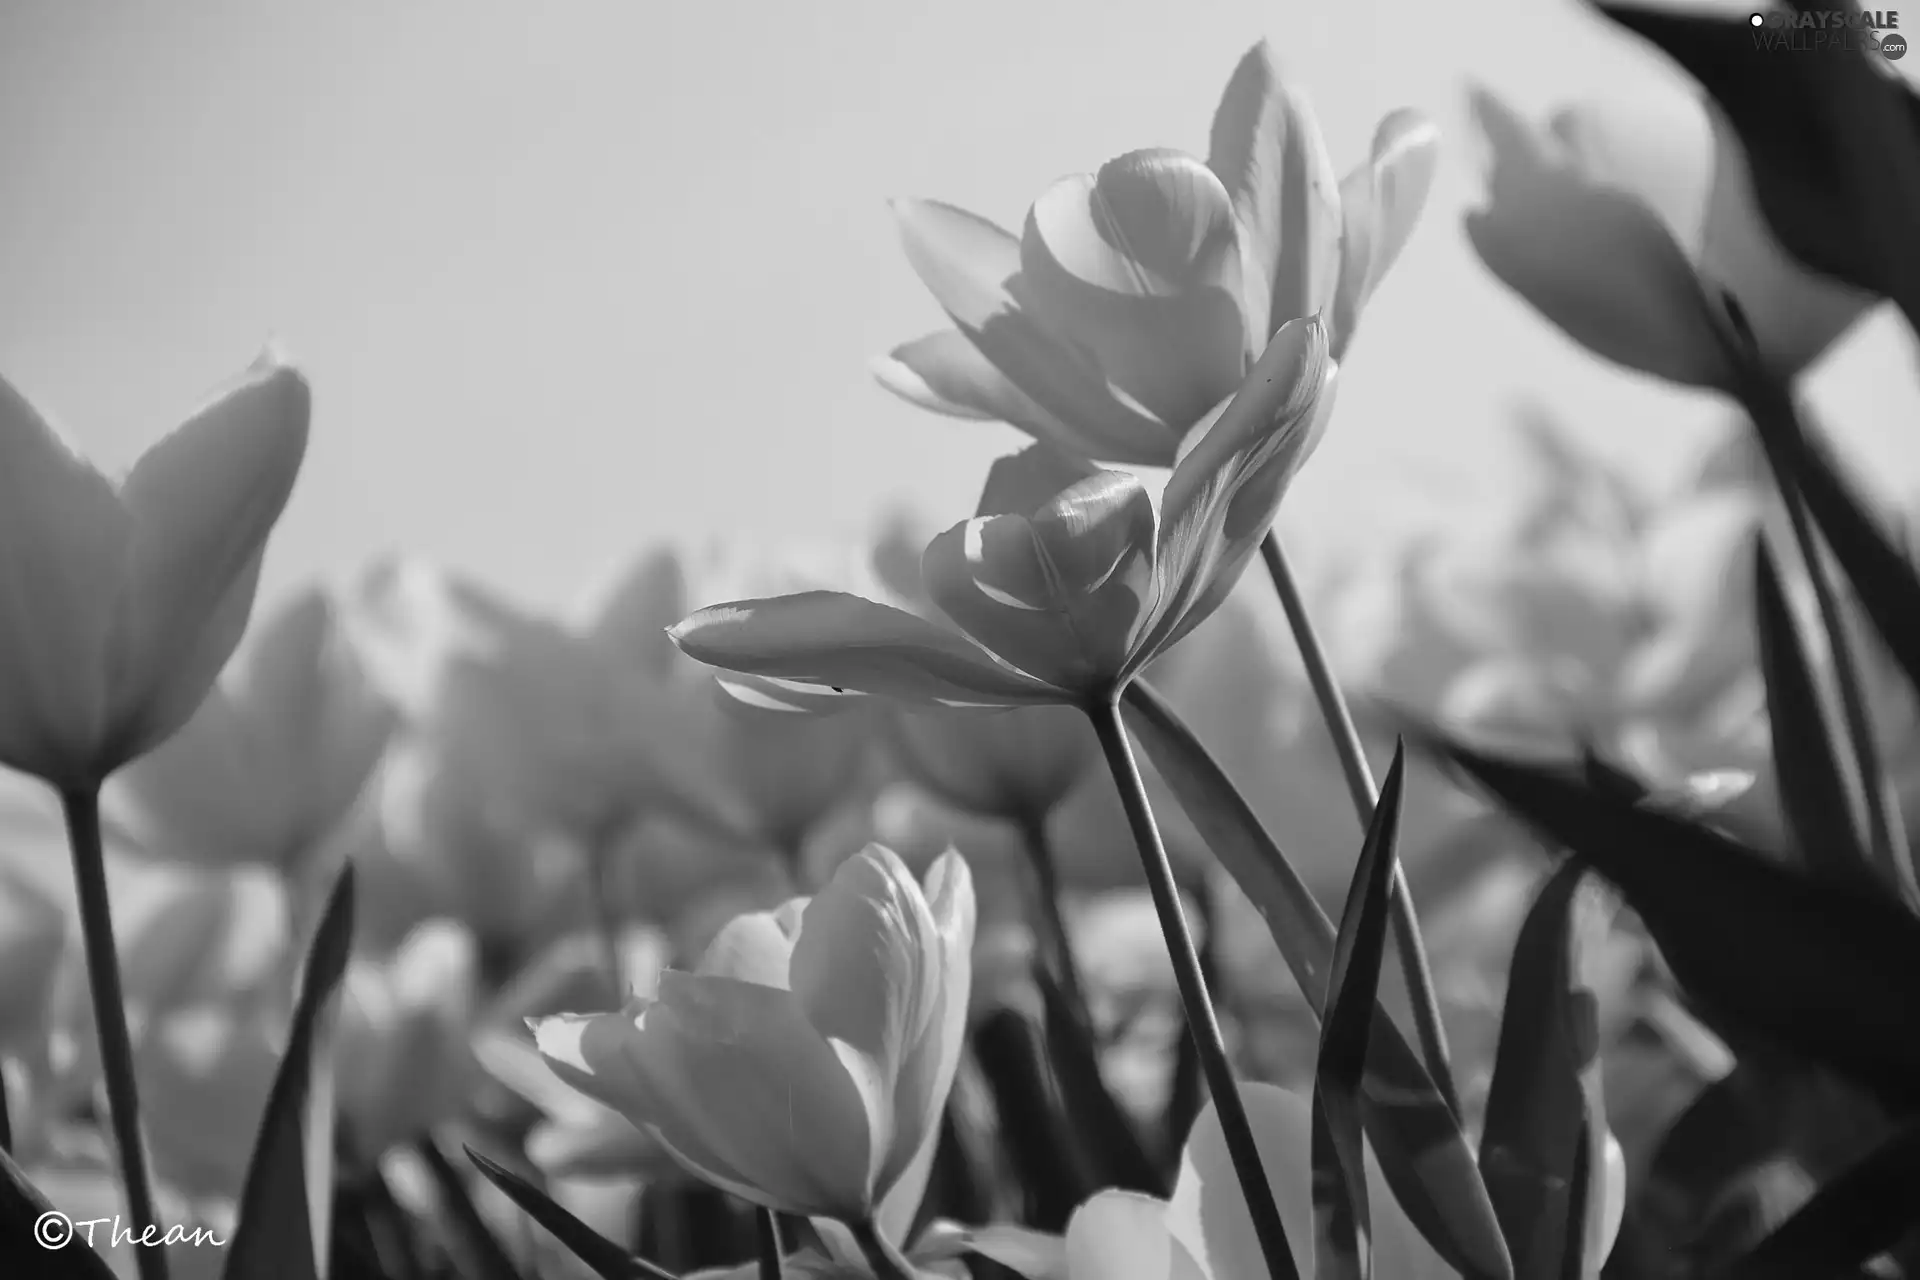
972 267
1597 262
946 373
202 502
1380 202
736 1083
1022 483
1057 595
756 947
1139 266
844 642
1122 1235
1223 496
1269 153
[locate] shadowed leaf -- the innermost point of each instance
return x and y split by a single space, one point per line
1419 1143
1864 1212
1343 1230
21 1206
1831 974
1545 1128
286 1206
602 1256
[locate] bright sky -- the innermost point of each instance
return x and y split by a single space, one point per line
572 276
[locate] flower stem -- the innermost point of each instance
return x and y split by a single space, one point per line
1366 795
882 1257
110 1017
1201 1022
767 1236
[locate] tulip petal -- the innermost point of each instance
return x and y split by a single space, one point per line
1679 156
972 267
1222 498
845 642
1035 1255
945 373
1595 261
1380 201
736 1083
202 501
926 1077
63 545
1122 1235
756 947
1140 265
1022 483
1270 154
1057 595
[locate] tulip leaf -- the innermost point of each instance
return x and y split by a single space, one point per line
1010 1046
1828 973
1806 762
286 1203
22 1207
602 1256
1544 1132
1863 1212
1343 1231
483 1256
1418 1140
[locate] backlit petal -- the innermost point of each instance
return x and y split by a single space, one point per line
1022 483
756 946
202 502
972 267
1269 153
1380 201
1595 261
839 640
63 545
946 373
1139 266
1122 1235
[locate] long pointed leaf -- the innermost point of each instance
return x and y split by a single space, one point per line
602 1256
1422 1151
1806 761
1864 1212
1343 1227
485 1258
1107 1133
1545 1123
1831 974
22 1208
1010 1045
286 1205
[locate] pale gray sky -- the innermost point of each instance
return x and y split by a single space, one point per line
572 276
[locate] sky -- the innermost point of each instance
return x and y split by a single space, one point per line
571 277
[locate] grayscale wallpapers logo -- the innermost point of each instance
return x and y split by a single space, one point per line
1821 30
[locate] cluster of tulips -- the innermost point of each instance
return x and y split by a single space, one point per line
1038 898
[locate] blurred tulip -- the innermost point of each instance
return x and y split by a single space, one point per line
402 1062
119 604
805 1064
205 1072
33 937
1617 223
1063 591
274 759
1016 764
1137 298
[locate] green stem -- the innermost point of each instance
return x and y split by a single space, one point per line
767 1235
882 1257
1052 922
1201 1023
110 1018
1365 794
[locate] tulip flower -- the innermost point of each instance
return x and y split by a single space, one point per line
33 937
1617 221
1203 1232
1066 600
275 758
402 1061
804 1064
120 603
1136 299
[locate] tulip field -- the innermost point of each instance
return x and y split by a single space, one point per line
1047 896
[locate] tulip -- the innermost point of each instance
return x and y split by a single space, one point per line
33 937
1063 592
1617 223
1136 299
804 1064
402 1062
275 758
119 604
1204 1233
